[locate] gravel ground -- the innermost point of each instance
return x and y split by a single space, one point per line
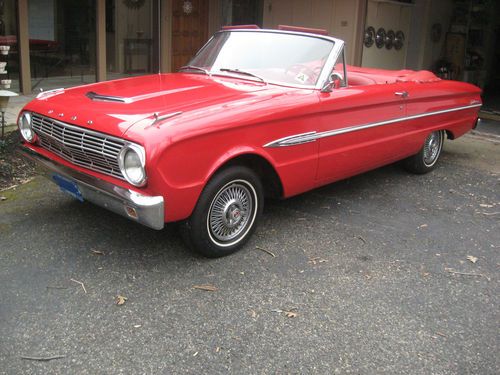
369 276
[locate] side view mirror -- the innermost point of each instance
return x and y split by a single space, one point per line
334 82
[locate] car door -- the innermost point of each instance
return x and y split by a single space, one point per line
360 129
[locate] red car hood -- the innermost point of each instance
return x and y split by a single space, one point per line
141 97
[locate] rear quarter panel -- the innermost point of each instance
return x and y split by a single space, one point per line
441 96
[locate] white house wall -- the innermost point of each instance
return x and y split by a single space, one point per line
389 16
338 17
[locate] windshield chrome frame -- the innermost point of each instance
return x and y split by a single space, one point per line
331 61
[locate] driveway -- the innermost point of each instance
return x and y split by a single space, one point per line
366 276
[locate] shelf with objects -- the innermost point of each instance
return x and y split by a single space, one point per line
5 83
470 53
469 41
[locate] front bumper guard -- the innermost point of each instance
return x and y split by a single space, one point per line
144 209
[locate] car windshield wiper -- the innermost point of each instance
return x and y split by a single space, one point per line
192 67
237 71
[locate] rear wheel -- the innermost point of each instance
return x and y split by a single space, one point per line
226 213
427 158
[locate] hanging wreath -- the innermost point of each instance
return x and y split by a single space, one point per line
133 4
187 7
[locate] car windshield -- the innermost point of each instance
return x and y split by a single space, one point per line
288 59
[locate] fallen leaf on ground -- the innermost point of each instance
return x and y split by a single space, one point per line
287 313
138 326
120 300
253 313
472 258
208 288
316 260
97 252
423 226
26 180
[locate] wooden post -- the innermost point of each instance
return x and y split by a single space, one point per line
101 40
214 17
359 32
23 46
165 36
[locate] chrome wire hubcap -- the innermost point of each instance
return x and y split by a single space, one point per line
432 147
230 211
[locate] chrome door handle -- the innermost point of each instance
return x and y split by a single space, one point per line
403 94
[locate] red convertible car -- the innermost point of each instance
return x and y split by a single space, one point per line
256 113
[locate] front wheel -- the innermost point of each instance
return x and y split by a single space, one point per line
427 158
226 213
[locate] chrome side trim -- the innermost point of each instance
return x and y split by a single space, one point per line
297 139
293 140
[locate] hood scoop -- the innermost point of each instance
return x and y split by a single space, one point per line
107 98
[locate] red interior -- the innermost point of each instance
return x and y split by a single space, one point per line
358 76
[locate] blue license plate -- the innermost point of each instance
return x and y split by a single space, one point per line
68 187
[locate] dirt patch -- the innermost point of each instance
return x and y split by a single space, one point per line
14 170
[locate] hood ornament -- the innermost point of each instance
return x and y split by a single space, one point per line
158 118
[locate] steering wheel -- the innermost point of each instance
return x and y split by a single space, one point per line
296 69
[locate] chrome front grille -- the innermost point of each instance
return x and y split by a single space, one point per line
83 147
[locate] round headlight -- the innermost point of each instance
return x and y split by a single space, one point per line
25 128
132 162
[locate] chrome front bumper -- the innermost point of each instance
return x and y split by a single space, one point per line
146 210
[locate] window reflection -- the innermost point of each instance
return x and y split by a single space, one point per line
9 63
61 42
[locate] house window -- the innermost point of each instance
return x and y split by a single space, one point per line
240 12
62 42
